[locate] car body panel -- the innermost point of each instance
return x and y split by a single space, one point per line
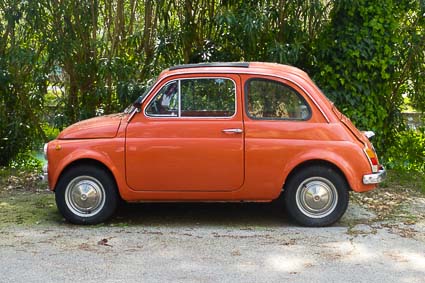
185 153
162 156
94 128
191 159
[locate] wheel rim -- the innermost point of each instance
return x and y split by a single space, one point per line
316 197
85 196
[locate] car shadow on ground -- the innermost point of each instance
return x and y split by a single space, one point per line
202 214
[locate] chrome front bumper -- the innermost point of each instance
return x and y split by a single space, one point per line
45 175
375 178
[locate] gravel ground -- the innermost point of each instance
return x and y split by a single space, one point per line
214 243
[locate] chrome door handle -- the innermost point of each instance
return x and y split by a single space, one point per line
232 131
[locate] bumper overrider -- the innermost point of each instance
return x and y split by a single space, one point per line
44 176
375 178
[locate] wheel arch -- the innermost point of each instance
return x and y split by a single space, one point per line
88 162
316 162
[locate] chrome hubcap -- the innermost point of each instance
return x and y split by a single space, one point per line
85 196
316 197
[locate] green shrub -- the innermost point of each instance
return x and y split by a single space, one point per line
408 152
50 132
26 161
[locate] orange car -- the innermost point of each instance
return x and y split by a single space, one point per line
216 132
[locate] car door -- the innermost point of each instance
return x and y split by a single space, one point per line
188 137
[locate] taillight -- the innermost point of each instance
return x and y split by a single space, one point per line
373 159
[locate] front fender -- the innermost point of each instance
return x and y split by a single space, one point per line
63 153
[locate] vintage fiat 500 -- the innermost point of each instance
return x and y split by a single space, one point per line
216 132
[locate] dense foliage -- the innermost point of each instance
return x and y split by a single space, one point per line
368 57
63 61
409 152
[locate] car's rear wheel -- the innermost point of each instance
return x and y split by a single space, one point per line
316 196
86 195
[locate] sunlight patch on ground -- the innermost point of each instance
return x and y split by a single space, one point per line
287 263
414 260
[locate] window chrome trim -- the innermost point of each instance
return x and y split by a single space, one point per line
149 116
244 72
179 111
297 93
150 101
299 86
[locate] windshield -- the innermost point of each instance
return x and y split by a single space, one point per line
138 101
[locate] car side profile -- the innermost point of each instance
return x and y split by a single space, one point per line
216 132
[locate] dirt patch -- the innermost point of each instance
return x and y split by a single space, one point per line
20 181
401 197
24 200
399 206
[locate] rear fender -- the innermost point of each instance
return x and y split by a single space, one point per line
352 166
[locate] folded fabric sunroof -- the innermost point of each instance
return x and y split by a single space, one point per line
220 64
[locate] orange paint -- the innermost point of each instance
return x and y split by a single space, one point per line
189 158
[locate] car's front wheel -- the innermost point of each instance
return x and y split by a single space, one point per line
316 196
86 195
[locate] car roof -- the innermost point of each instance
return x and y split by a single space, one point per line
235 67
215 64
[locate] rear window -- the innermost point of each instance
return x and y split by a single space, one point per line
268 99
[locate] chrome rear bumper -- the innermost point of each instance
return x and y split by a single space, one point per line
375 178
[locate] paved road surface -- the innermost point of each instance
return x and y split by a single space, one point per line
213 243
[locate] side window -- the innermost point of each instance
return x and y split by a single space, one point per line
267 99
207 98
165 103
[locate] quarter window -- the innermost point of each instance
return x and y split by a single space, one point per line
203 97
267 99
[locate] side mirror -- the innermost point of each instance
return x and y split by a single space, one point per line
138 103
